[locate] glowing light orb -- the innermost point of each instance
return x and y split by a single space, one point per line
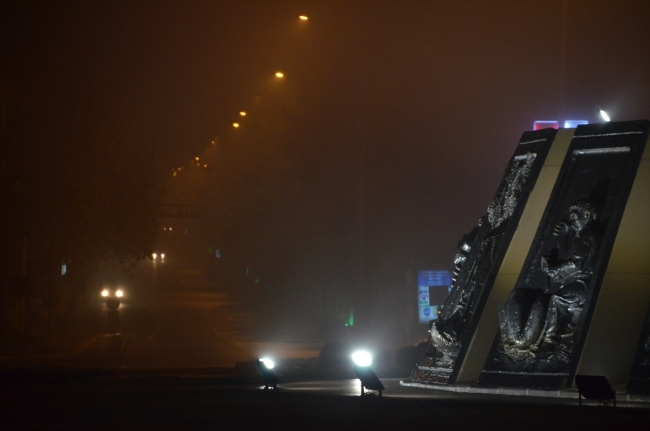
362 358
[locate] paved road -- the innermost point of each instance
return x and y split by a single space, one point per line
162 404
173 315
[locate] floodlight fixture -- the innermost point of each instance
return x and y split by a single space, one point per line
266 366
595 388
268 363
604 116
362 358
364 372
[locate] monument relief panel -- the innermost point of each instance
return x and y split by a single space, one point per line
544 322
477 261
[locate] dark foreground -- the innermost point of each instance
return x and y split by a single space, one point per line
96 402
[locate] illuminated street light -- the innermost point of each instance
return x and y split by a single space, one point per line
105 293
366 375
162 256
604 115
242 113
303 17
154 256
119 293
235 125
279 74
196 158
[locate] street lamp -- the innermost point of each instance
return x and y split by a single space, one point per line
279 74
242 113
235 125
303 17
369 380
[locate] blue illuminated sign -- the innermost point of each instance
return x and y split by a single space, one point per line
572 124
433 288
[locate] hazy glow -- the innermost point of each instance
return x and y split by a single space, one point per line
279 74
162 256
268 363
119 293
303 17
604 115
235 125
155 256
196 158
105 293
362 358
242 113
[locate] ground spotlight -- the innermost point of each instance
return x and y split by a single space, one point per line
266 366
369 380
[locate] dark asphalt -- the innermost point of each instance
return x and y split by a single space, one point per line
213 402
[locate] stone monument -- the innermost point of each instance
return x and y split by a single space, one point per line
557 272
478 259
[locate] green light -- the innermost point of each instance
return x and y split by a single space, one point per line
257 280
350 317
247 272
346 324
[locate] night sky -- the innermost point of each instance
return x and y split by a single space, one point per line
419 104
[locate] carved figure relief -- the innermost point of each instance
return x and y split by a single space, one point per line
471 276
477 261
544 323
541 320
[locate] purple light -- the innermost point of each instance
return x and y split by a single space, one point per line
538 125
